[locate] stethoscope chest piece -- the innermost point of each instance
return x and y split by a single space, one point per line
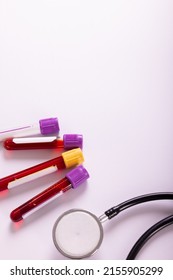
77 234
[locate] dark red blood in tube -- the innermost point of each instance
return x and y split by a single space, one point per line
58 161
17 214
9 144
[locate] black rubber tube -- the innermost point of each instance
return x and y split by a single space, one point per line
112 212
147 235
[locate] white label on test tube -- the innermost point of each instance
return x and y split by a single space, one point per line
21 131
34 140
33 176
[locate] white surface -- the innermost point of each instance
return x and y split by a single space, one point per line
104 68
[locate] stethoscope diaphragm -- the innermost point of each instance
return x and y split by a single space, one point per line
77 233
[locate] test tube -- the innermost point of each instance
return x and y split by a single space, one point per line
69 141
43 127
66 160
72 180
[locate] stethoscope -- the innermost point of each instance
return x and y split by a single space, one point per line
78 233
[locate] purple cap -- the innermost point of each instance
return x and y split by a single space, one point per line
49 126
77 176
72 141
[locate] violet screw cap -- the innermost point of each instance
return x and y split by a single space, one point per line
49 126
77 176
73 141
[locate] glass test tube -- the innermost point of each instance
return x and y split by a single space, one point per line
72 180
69 141
44 127
66 160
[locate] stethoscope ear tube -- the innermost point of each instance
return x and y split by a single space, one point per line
114 211
147 235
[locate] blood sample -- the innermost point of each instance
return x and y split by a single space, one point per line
69 141
66 160
73 179
44 127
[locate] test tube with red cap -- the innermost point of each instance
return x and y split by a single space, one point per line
66 160
72 180
44 127
69 141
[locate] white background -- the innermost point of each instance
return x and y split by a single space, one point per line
104 68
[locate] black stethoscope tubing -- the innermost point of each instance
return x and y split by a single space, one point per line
147 235
112 212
